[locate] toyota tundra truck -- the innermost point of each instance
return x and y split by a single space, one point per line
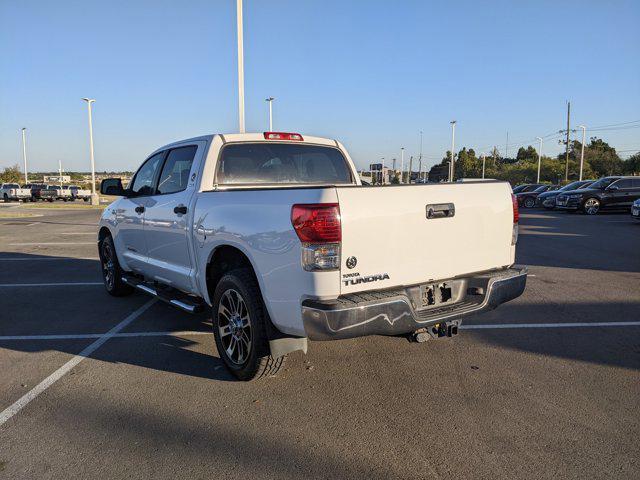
275 234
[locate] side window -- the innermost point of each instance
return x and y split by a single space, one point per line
143 181
623 184
635 182
175 172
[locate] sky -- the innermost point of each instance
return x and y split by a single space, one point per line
371 74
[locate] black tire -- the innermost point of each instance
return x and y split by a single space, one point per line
50 200
6 198
111 271
591 206
245 323
529 202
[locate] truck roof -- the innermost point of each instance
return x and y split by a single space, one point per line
251 137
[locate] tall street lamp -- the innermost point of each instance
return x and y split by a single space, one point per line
484 159
24 153
270 101
539 158
584 134
95 200
240 68
402 165
453 149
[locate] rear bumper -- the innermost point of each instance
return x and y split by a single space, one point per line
395 312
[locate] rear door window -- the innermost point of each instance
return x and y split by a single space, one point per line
279 163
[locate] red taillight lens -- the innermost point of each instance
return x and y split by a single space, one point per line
317 223
283 136
516 215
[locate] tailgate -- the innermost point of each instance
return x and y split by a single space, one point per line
393 243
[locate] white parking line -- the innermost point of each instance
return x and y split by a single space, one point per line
85 336
58 374
50 243
183 333
77 233
66 284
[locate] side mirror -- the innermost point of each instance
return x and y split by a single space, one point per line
613 187
112 186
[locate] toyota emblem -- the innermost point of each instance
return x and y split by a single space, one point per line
352 262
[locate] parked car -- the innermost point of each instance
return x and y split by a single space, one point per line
78 193
61 192
13 191
276 234
528 199
526 187
635 210
39 192
548 198
608 193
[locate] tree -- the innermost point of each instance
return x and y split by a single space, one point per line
602 158
11 174
631 166
528 154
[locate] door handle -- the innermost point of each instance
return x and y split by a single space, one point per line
440 210
180 210
139 209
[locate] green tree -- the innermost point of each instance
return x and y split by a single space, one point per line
631 166
11 174
528 154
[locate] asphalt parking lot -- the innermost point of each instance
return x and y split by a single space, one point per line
544 387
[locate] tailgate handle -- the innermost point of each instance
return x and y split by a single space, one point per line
440 210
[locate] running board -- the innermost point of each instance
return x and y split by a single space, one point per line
167 294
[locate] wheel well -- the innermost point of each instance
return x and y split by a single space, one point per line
103 233
223 260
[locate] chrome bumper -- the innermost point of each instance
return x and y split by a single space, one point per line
395 312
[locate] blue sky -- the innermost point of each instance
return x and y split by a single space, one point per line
370 73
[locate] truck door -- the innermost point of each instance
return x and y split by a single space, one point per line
131 211
167 218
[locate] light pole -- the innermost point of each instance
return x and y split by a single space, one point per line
401 164
24 153
484 158
240 68
584 134
95 200
453 149
270 101
60 174
420 158
539 159
382 172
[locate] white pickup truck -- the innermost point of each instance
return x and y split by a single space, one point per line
275 233
12 191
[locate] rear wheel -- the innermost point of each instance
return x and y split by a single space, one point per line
239 327
6 198
111 271
591 206
529 202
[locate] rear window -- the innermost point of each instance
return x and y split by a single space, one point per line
281 163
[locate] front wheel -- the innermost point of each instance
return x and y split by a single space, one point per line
529 202
111 270
591 206
239 327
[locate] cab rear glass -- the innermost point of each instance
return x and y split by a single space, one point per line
281 163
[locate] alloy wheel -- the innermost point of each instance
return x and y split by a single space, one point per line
591 206
234 326
108 266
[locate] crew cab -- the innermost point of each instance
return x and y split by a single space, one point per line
13 191
276 235
607 193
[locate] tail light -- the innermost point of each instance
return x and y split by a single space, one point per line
283 136
318 228
516 218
